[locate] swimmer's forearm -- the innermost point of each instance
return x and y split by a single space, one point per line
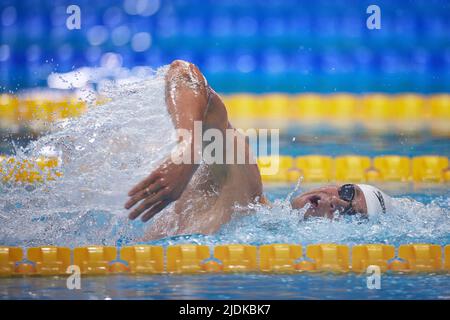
186 100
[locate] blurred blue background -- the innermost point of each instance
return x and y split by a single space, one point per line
241 46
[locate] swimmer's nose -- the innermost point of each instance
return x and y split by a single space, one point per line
327 205
338 204
321 206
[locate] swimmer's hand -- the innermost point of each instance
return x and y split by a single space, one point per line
163 186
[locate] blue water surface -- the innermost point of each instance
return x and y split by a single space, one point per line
422 215
234 286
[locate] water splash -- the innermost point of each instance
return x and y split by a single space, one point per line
110 148
410 222
103 153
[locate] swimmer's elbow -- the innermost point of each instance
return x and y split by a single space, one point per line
179 64
185 81
183 72
191 88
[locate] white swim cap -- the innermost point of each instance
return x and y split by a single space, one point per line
376 200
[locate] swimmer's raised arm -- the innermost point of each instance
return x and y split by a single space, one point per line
188 100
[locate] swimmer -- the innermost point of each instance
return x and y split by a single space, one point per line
205 196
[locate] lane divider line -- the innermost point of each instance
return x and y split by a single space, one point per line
226 258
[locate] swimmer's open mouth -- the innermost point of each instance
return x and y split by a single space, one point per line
314 201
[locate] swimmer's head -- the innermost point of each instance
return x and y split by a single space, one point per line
347 199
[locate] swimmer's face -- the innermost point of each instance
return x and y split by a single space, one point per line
325 201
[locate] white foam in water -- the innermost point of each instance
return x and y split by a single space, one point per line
410 221
112 147
104 153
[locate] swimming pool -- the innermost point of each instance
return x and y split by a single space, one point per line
423 208
248 286
333 84
423 217
104 155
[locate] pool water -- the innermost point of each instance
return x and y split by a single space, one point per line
235 286
422 216
429 223
104 156
422 210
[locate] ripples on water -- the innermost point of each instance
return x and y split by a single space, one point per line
110 148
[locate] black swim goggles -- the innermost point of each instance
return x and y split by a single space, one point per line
347 193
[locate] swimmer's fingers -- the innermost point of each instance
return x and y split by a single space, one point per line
143 184
148 203
140 195
154 210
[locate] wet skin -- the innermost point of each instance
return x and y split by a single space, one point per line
204 205
325 201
